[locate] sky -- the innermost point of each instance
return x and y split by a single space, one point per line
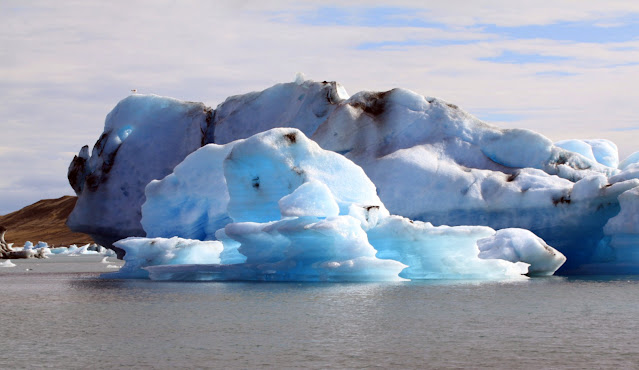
566 69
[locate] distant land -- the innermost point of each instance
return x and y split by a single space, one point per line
43 221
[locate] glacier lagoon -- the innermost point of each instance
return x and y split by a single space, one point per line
446 210
62 318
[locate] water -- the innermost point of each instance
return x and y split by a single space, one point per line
74 320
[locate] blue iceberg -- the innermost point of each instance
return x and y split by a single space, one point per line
429 161
288 210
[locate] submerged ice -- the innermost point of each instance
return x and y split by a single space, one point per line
288 210
429 160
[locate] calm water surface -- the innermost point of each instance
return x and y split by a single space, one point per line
75 320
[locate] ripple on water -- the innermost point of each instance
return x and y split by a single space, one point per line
59 320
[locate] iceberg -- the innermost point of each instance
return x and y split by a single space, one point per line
143 252
39 245
632 159
7 263
74 250
429 160
293 211
28 251
145 137
518 245
439 252
600 150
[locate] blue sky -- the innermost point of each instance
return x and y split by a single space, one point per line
619 29
565 69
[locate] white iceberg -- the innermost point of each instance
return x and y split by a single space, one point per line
143 252
7 263
599 150
74 250
518 245
145 137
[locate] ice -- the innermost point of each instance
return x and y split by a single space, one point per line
100 250
7 263
301 104
145 137
630 172
200 209
289 203
312 198
83 250
630 160
263 171
518 245
429 160
629 169
299 78
584 189
62 250
439 252
40 244
628 218
230 254
297 249
260 171
621 236
605 152
142 252
20 253
599 150
577 146
40 250
300 213
518 148
433 162
74 250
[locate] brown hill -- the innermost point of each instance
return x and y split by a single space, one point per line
43 221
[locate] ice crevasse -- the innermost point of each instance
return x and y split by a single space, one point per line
429 160
277 207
